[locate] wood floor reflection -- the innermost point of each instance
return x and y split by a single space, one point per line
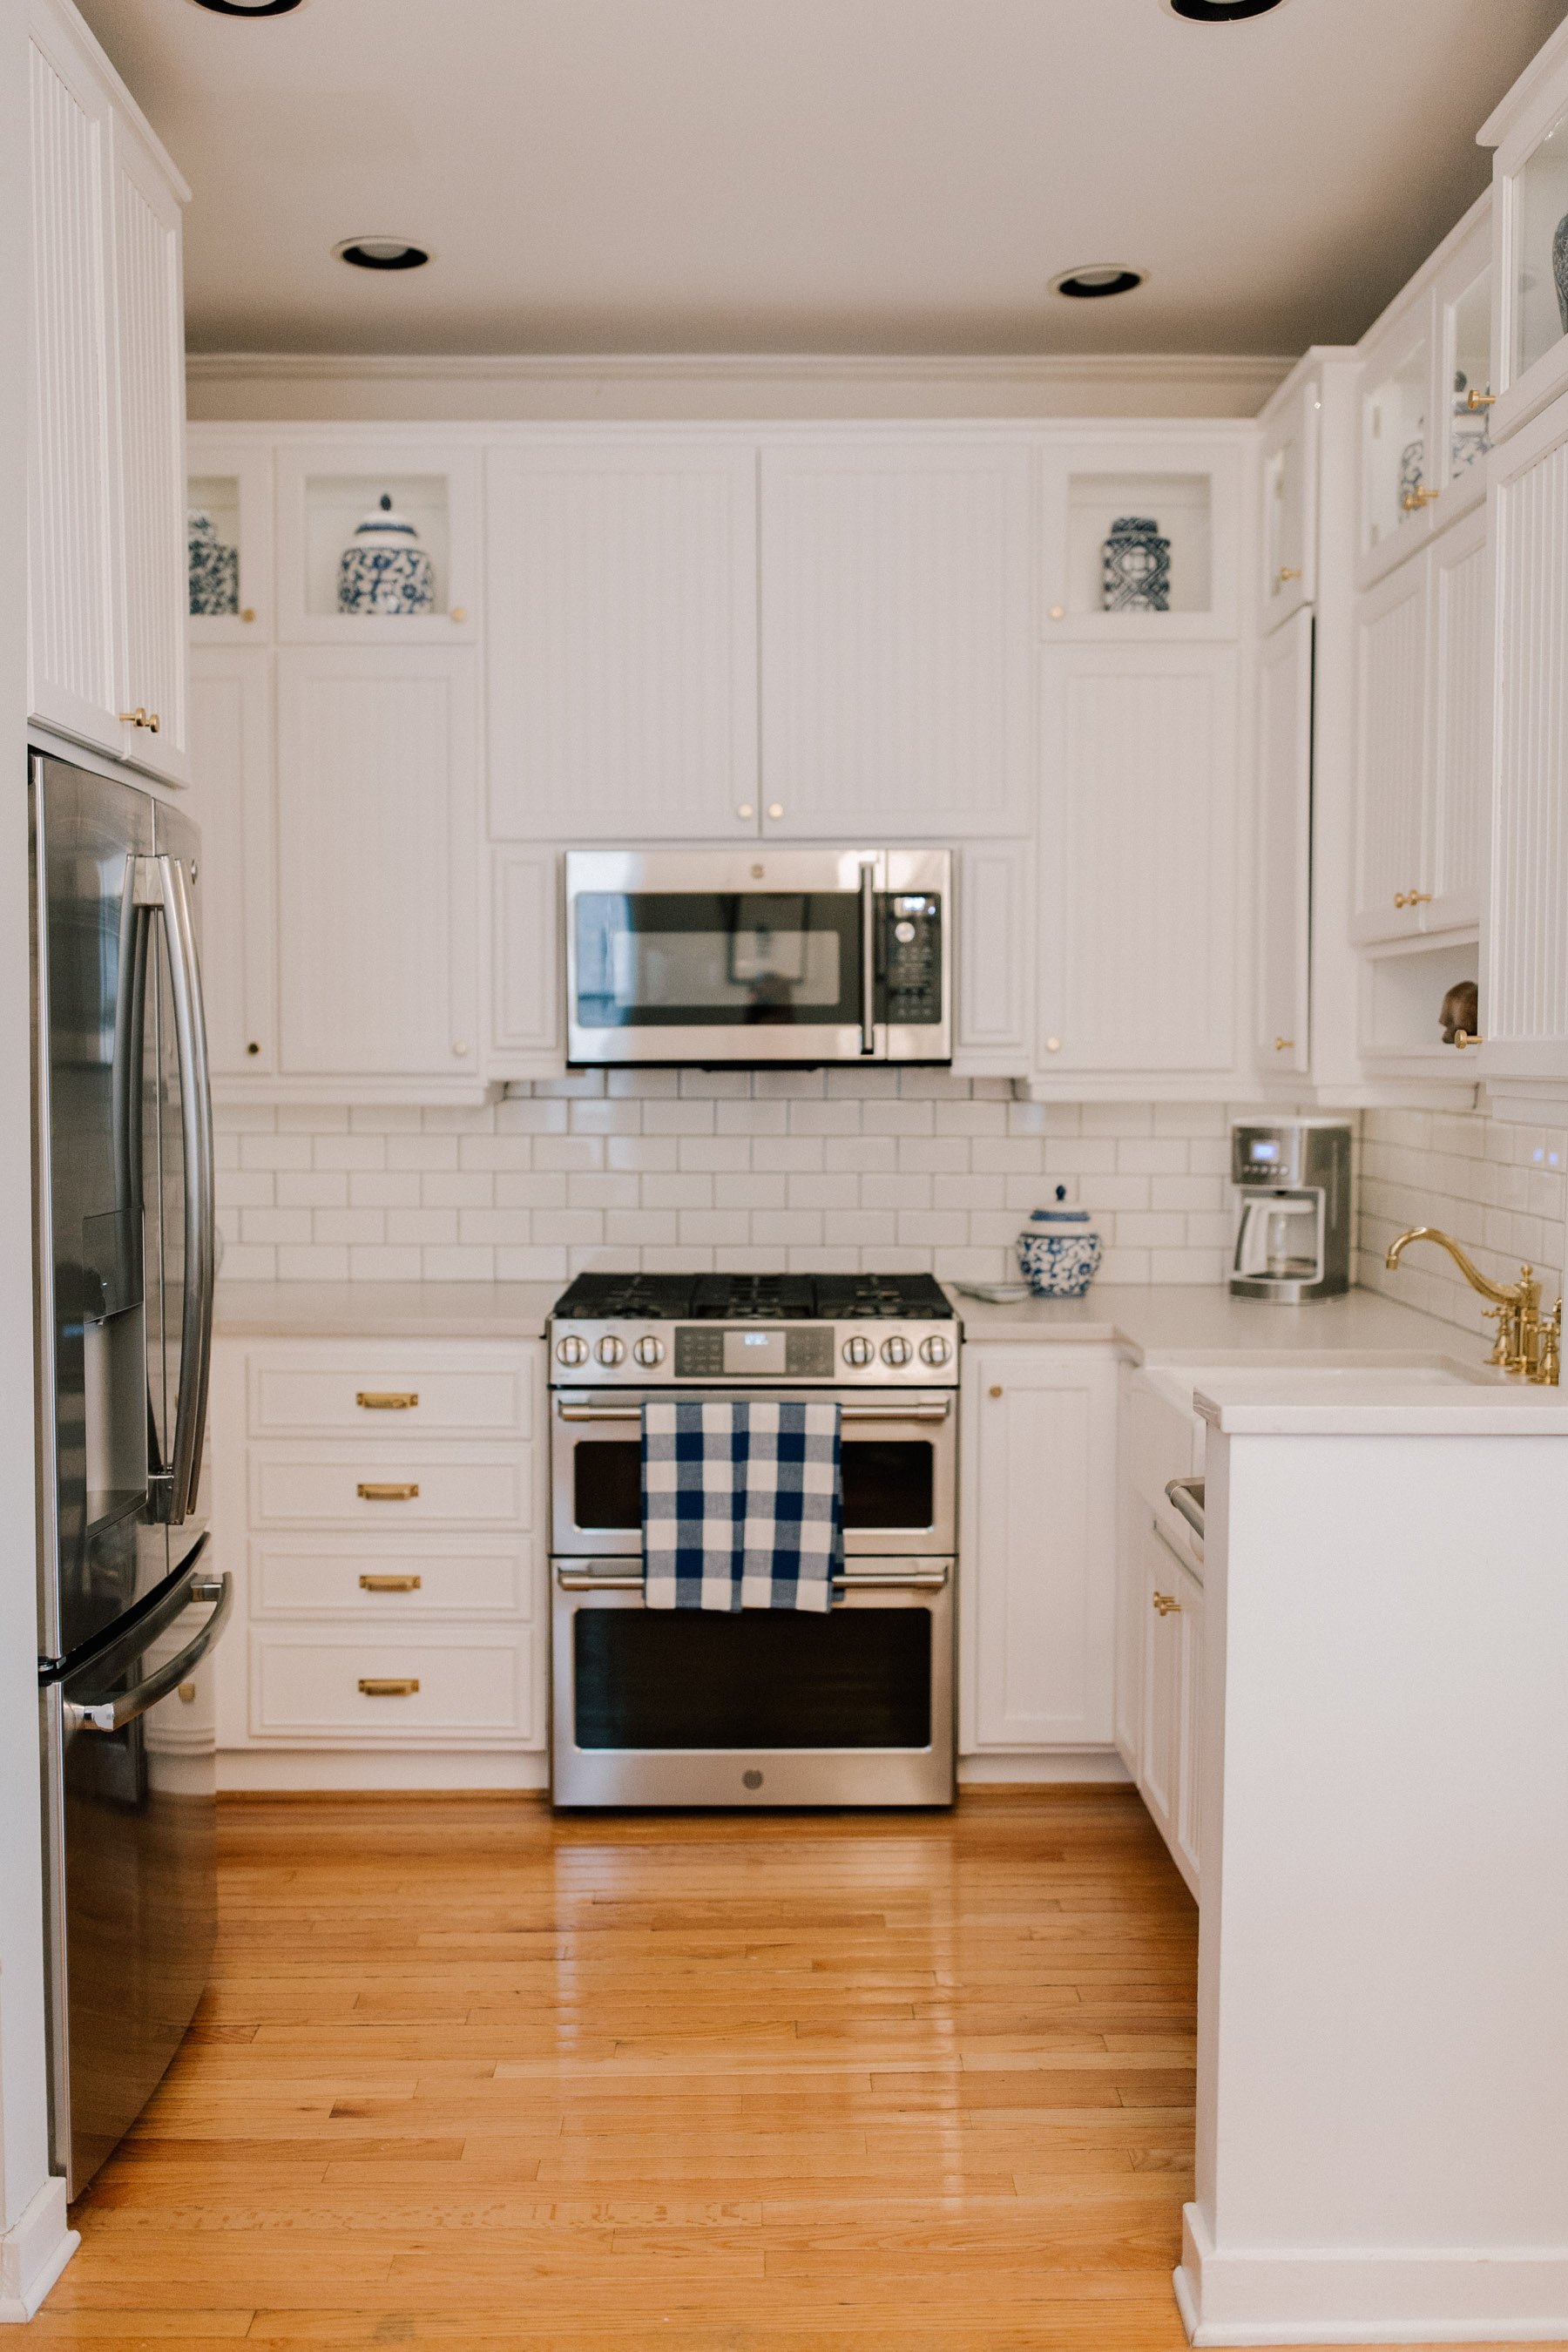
471 2074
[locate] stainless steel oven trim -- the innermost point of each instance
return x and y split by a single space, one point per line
937 1541
742 870
837 1776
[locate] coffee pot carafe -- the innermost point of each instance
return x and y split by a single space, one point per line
1292 1242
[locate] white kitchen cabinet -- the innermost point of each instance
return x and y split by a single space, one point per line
623 638
1288 538
230 480
1138 832
233 802
1285 847
1170 1773
107 471
995 948
1186 483
895 604
327 487
1392 655
1525 935
1037 1549
377 866
524 963
1530 197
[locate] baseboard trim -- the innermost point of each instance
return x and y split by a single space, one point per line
389 1771
1439 2294
33 2253
1013 1770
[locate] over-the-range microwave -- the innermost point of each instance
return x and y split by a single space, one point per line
759 957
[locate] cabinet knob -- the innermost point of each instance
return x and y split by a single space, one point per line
1462 1038
1286 573
1167 1604
459 612
746 809
1412 897
1480 400
1413 501
1053 1045
461 1051
1058 611
997 1391
188 1694
776 808
253 1047
248 613
1284 1045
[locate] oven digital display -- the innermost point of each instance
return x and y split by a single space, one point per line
757 1353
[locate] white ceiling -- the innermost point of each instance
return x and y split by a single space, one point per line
814 175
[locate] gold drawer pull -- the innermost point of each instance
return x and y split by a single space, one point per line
387 1400
1165 1603
388 1685
370 1492
389 1584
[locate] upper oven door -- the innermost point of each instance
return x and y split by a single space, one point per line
899 1460
789 956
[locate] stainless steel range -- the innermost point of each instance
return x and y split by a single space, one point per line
763 1706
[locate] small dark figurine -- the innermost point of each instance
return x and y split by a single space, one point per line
1461 1014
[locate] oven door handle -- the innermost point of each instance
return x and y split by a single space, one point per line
847 1412
923 1579
588 1579
599 1412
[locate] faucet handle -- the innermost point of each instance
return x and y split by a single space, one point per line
1548 1352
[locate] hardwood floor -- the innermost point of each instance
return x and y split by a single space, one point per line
473 2075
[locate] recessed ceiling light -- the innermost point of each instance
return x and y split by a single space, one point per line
381 253
248 7
1219 12
1096 279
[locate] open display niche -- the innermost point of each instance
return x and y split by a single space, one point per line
334 507
1403 987
217 495
1181 505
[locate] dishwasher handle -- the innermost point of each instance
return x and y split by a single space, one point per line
1186 1495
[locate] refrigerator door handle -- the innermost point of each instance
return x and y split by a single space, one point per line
113 1713
196 1118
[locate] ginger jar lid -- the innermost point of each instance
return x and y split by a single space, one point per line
1051 1218
385 527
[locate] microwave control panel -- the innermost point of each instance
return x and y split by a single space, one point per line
911 977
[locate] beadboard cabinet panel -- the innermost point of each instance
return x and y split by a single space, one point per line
73 538
895 638
232 801
377 863
623 640
525 948
995 938
1392 752
1137 890
1285 846
1462 659
151 407
1039 1547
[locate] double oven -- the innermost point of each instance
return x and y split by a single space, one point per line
759 1707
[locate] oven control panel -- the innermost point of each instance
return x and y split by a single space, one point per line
869 1353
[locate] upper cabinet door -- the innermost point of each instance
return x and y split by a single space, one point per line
896 638
1139 536
622 639
151 354
1460 775
228 493
1285 847
72 512
1462 295
1401 463
1391 756
1290 507
1530 202
377 865
231 799
1137 906
378 541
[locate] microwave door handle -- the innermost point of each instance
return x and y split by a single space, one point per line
196 1123
867 959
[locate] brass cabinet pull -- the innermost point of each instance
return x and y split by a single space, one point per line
1286 573
459 612
1412 897
1165 1603
1481 400
387 1400
369 1491
997 1391
389 1583
1284 1045
248 613
388 1685
1413 501
1462 1038
140 717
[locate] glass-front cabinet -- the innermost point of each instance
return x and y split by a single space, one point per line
1290 428
1529 241
1140 543
229 501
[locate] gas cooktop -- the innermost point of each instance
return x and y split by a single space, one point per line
754 1327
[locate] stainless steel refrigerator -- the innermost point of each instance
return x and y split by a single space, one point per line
124 1262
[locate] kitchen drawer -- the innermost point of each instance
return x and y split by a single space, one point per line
389 1392
450 1487
305 1687
296 1576
1164 1435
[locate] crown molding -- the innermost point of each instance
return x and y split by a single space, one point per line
548 368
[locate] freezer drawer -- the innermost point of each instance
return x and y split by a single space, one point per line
390 1489
381 1689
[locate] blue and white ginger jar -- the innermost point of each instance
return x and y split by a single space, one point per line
1060 1251
1472 428
384 568
1135 567
213 569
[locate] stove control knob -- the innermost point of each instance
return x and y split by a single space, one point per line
935 1350
572 1349
649 1351
611 1351
858 1351
897 1351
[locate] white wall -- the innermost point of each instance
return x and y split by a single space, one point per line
1497 1188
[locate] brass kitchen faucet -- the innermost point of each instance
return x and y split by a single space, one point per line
1528 1343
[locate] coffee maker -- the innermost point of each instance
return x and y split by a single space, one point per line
1294 1239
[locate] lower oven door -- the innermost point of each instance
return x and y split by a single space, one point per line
899 1450
761 1707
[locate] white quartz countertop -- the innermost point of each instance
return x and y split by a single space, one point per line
1201 1324
384 1310
1357 1401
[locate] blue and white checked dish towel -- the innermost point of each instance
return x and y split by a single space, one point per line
742 1505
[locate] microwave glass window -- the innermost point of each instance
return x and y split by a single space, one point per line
761 1678
679 959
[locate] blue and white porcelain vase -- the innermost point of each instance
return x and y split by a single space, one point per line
1560 268
1472 435
384 568
1060 1251
1135 567
1412 465
213 569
